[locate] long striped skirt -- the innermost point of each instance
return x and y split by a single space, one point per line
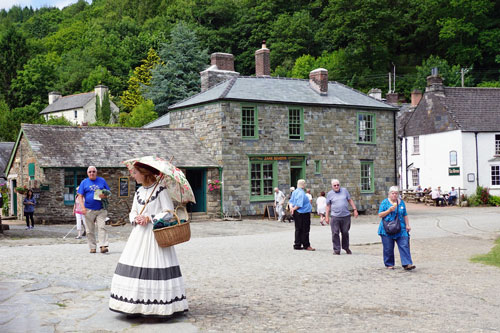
147 279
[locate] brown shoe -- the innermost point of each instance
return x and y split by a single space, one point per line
92 250
310 249
348 251
104 249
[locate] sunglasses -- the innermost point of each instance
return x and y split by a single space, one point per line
336 185
91 171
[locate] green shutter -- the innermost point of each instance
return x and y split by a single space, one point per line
31 170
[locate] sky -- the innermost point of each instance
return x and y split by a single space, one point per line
7 4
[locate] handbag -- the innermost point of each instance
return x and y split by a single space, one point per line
392 227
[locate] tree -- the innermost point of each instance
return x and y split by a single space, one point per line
179 75
141 115
105 109
13 55
142 76
451 74
35 80
98 113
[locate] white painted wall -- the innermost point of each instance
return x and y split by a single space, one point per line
434 160
69 115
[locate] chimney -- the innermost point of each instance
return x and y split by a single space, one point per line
318 81
262 61
223 61
100 90
54 96
434 81
375 93
221 69
392 98
416 96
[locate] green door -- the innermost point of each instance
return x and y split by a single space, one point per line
197 178
297 171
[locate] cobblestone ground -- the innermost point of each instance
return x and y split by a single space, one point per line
245 277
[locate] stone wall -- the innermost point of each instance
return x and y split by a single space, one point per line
330 137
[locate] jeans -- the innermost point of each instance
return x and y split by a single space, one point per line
404 250
340 225
28 217
302 228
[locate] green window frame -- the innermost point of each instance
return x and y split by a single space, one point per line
249 122
72 179
317 167
295 123
31 170
367 179
366 127
263 179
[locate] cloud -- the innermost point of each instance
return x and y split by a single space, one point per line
7 4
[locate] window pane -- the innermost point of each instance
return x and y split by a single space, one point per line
69 178
248 122
268 179
495 175
261 178
366 128
497 144
255 179
294 124
366 177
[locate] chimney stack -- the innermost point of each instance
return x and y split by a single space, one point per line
392 98
416 96
221 69
375 93
100 90
54 96
262 61
434 81
318 80
223 61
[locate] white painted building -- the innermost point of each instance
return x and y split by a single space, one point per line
78 108
453 139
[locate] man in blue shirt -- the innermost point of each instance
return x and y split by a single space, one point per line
301 208
90 190
336 206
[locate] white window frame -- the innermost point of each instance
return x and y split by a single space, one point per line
415 177
416 145
496 176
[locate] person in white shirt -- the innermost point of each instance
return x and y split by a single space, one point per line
436 196
321 207
453 195
279 200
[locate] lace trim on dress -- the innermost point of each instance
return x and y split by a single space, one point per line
153 198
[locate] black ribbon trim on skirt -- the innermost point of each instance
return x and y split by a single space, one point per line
148 302
143 273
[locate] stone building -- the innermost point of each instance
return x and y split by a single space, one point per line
52 160
269 132
79 108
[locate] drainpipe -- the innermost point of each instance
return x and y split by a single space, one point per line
221 193
406 161
477 161
395 149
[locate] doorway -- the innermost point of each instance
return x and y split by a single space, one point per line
297 171
197 178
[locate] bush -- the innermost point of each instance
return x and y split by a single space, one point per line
483 194
473 201
494 201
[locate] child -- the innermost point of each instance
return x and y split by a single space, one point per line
77 211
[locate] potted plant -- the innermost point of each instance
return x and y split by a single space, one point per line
21 190
213 185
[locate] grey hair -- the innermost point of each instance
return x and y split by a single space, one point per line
335 181
393 189
91 167
301 183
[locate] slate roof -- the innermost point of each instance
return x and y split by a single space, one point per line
69 102
283 90
466 109
69 146
5 150
163 121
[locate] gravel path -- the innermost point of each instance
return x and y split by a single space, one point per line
245 277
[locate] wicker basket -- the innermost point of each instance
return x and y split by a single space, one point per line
176 234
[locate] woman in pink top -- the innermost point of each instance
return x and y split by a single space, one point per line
80 218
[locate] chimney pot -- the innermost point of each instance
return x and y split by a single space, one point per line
434 83
318 80
262 61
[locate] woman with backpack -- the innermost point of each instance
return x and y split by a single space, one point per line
394 228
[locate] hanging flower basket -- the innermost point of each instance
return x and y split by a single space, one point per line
21 190
213 185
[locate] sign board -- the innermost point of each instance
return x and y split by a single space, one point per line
454 171
269 211
123 188
276 158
